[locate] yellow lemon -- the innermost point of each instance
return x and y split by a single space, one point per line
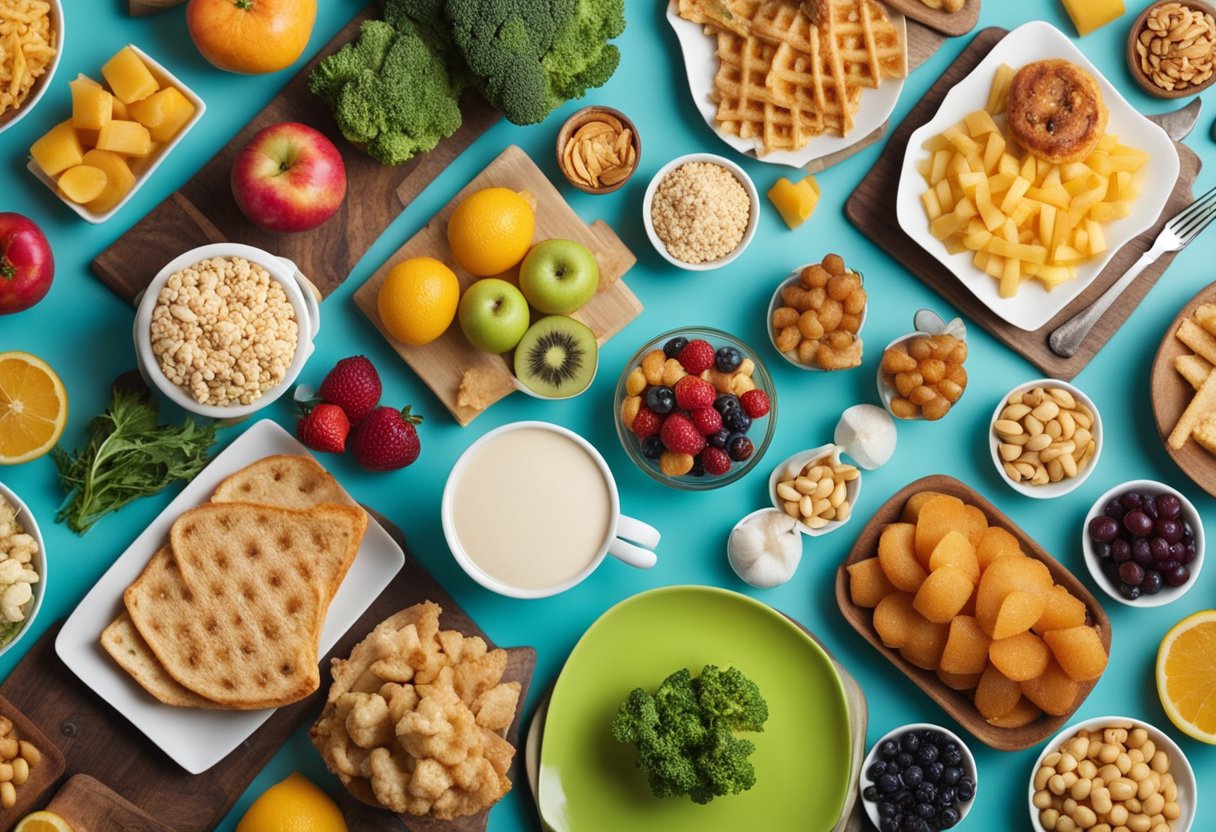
294 805
42 822
1186 675
418 300
33 407
491 230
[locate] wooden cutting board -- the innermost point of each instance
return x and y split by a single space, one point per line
871 209
98 741
42 776
91 806
203 211
951 24
443 363
139 8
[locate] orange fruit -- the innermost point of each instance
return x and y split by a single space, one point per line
418 300
33 407
42 822
1186 675
293 805
491 230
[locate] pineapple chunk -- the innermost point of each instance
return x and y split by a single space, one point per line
130 138
129 76
58 150
82 183
795 201
120 111
119 179
1088 15
92 105
163 113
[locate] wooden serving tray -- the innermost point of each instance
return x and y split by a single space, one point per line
871 209
443 362
203 211
953 702
42 776
91 806
951 24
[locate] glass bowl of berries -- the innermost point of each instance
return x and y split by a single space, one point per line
1143 543
695 408
918 771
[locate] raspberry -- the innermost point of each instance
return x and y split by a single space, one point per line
707 420
646 423
716 461
694 393
755 403
697 357
681 435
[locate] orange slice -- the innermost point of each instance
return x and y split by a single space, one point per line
1186 675
33 407
43 822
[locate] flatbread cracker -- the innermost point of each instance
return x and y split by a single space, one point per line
290 481
128 648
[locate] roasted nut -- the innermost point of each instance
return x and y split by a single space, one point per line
784 316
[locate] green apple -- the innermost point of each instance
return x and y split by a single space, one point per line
493 315
559 276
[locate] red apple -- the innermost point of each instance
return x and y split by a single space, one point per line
26 263
289 177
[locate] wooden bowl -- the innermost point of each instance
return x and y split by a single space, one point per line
1133 57
578 120
42 776
950 24
953 702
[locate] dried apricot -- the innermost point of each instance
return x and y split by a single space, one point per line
1003 576
956 550
1053 691
1018 613
993 543
895 619
966 650
868 584
1019 657
1023 713
942 595
925 644
937 518
1062 611
1079 651
996 694
915 503
897 555
958 681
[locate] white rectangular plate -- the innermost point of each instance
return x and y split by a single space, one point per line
1034 305
198 739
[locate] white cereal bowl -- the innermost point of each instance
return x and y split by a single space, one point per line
282 270
969 767
1168 594
39 561
1180 767
793 279
42 84
753 215
1051 489
790 469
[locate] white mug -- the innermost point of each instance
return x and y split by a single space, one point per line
627 540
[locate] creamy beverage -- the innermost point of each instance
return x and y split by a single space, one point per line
532 508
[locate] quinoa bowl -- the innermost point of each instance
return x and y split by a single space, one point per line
223 330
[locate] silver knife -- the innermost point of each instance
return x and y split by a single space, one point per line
1179 124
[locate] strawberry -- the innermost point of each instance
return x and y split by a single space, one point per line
681 435
716 461
646 423
694 393
353 385
386 439
707 420
755 403
697 357
324 428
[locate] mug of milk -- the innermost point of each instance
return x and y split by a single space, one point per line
531 509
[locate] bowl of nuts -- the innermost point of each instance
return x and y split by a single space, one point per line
223 330
1171 49
816 315
695 409
22 568
598 149
921 375
816 489
1045 438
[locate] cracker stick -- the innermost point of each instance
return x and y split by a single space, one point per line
1193 368
1205 316
1205 433
1198 339
1200 406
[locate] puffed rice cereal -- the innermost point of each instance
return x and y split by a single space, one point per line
224 330
700 212
17 574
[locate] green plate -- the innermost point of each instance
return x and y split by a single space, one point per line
588 781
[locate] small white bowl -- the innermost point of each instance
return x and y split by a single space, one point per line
39 561
925 324
282 270
42 84
1180 766
969 767
149 165
794 278
793 466
1051 489
1168 594
752 220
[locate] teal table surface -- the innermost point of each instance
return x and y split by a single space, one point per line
83 331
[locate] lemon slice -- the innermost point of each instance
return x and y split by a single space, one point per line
42 822
1186 675
33 407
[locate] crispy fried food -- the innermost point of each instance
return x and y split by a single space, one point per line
1056 111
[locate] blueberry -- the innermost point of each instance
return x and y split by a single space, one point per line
889 824
870 793
913 776
877 769
727 402
1129 592
662 400
652 447
927 754
926 793
698 467
946 796
904 759
949 818
934 771
926 810
1102 550
951 776
886 809
727 359
737 420
888 784
904 799
888 750
739 447
1152 582
674 347
966 789
951 756
719 439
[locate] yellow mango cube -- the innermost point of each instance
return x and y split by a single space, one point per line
92 105
130 138
795 201
1088 15
119 111
82 183
129 77
58 150
119 179
163 113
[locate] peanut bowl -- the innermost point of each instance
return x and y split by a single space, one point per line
37 562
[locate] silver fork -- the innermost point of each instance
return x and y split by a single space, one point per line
1178 233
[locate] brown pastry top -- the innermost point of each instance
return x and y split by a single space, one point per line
1056 111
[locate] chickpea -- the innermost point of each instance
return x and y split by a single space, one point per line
1139 823
1085 817
1136 738
1042 799
1122 789
1042 776
1160 762
1087 769
1123 763
1081 789
1100 799
1067 763
1146 789
1066 824
1119 814
1153 805
1056 784
1049 818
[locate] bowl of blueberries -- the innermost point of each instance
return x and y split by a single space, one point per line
1143 543
918 778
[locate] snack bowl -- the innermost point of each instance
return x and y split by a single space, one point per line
792 467
299 293
794 279
41 85
968 766
582 117
1133 56
752 219
38 562
1180 766
1063 486
925 322
768 423
1188 514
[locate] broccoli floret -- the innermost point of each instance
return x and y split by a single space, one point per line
684 733
581 57
352 60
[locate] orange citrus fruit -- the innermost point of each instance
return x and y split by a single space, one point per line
294 805
42 822
418 300
1186 675
491 230
33 407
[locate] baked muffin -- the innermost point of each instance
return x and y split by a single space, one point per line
1056 111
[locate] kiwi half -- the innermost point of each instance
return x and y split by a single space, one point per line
557 357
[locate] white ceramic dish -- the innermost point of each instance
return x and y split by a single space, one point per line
308 319
924 322
1051 489
38 561
42 84
1180 767
969 767
197 739
1168 594
1034 305
753 218
793 279
701 63
163 77
793 466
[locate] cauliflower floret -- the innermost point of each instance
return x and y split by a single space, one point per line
14 598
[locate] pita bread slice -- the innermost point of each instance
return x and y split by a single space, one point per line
128 648
291 481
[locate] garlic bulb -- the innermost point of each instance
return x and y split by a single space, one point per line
765 548
867 434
